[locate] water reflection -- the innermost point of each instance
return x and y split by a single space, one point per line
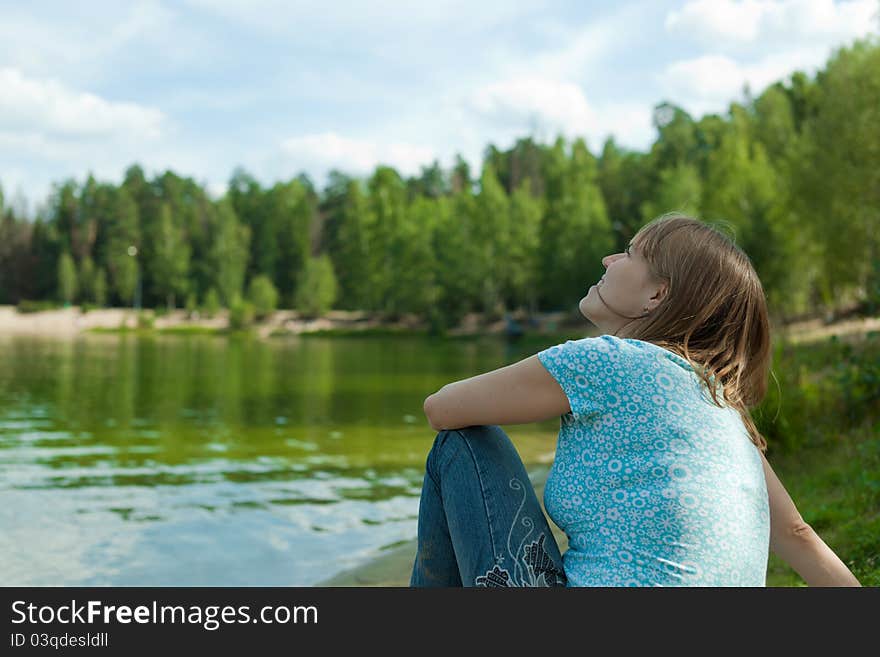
211 461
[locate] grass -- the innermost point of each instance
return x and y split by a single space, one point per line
822 424
121 329
26 306
172 330
836 488
346 333
192 330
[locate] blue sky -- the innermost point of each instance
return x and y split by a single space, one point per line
280 87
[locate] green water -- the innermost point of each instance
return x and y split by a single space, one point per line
216 461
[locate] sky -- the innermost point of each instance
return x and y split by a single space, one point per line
280 87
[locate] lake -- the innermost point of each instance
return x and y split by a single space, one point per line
131 460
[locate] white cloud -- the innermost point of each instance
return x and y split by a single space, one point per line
104 44
727 23
388 18
710 82
49 107
535 102
580 50
328 150
710 77
756 42
50 131
584 48
202 87
547 108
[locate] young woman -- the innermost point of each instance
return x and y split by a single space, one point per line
659 476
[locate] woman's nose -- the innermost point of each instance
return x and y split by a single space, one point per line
607 260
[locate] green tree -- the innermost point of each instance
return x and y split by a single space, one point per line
228 254
525 164
625 180
63 214
742 190
211 303
526 211
85 220
86 280
679 189
677 141
491 230
251 206
119 231
387 210
774 123
241 314
791 289
351 258
263 296
66 278
431 183
291 213
837 176
46 249
317 290
460 180
415 290
575 233
457 283
169 258
16 262
99 288
332 212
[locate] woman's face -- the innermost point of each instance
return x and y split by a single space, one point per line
626 288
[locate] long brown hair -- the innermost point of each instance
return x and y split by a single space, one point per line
714 314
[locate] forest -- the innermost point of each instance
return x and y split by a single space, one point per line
793 175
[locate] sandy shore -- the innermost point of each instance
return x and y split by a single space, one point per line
70 322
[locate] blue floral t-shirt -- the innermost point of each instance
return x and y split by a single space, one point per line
653 484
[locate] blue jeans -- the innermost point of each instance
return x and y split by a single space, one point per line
480 523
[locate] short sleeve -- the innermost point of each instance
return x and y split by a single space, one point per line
585 370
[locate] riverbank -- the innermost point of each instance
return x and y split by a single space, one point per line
72 321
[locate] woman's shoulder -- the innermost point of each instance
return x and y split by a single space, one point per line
660 354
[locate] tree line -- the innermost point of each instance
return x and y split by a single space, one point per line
794 174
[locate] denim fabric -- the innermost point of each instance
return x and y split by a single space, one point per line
480 523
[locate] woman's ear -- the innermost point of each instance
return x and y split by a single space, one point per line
661 292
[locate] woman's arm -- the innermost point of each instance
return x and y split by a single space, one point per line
795 542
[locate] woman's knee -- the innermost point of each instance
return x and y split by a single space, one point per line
446 440
489 440
455 439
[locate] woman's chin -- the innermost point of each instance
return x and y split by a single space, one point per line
584 307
